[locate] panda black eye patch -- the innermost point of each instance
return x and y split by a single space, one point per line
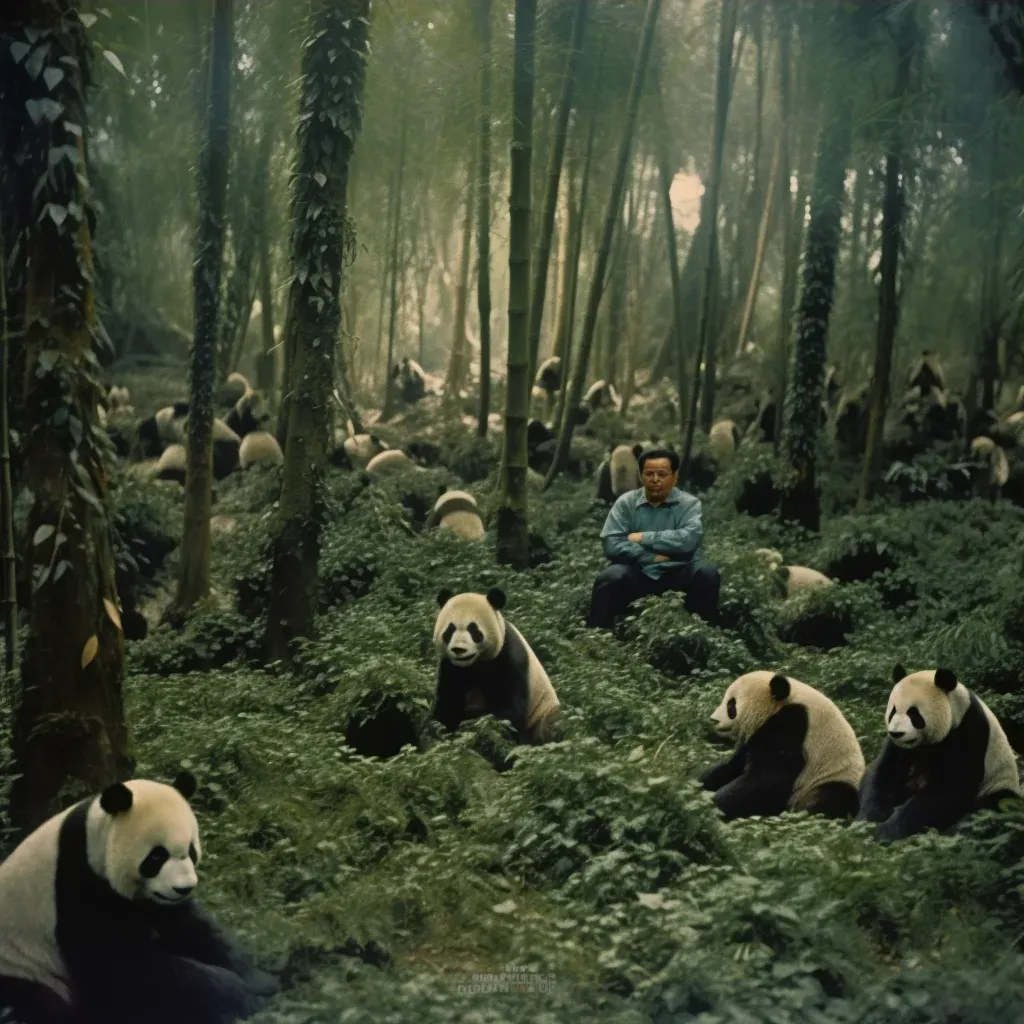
916 718
475 633
155 860
192 855
731 707
447 635
891 714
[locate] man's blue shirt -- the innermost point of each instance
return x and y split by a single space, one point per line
673 528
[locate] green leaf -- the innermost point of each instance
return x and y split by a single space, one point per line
18 51
114 61
52 77
48 359
58 214
62 566
45 531
320 178
88 20
34 63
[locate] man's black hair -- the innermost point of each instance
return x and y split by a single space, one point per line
660 453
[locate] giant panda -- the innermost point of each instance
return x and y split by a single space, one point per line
945 756
457 511
390 463
619 473
250 413
795 751
601 395
926 374
549 375
724 438
96 923
488 668
993 469
226 444
359 449
259 448
172 464
414 381
166 426
795 579
233 390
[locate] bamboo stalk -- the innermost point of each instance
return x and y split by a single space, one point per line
9 581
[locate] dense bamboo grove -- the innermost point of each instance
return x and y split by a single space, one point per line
313 314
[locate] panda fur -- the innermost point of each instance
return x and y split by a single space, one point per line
172 464
993 470
619 473
724 438
226 444
945 756
457 511
795 579
249 414
795 751
549 375
488 668
390 462
259 448
600 395
414 381
166 426
96 923
233 389
361 448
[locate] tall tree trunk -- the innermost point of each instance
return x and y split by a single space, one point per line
513 542
611 219
547 222
328 126
642 269
385 268
9 585
991 312
265 376
761 246
726 31
69 733
194 583
855 273
396 235
457 356
800 502
483 228
576 248
566 238
892 238
665 177
790 207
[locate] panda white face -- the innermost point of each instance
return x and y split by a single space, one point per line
469 628
748 703
144 840
923 708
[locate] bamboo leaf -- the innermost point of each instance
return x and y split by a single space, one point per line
52 77
43 533
88 20
18 51
90 650
114 61
62 567
112 611
320 178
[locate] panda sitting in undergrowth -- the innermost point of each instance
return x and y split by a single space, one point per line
945 756
795 751
488 668
619 473
96 924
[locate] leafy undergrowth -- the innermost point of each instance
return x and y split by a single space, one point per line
593 870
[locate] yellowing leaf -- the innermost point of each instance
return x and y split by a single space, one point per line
89 651
114 61
115 618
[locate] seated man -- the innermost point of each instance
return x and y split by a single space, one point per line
651 536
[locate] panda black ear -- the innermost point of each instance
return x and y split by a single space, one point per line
496 598
779 687
443 597
898 672
116 799
638 450
185 783
945 679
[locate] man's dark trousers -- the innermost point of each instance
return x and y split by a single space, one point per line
618 586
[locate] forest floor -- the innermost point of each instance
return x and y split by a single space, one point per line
595 870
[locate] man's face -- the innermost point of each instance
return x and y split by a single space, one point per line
658 479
